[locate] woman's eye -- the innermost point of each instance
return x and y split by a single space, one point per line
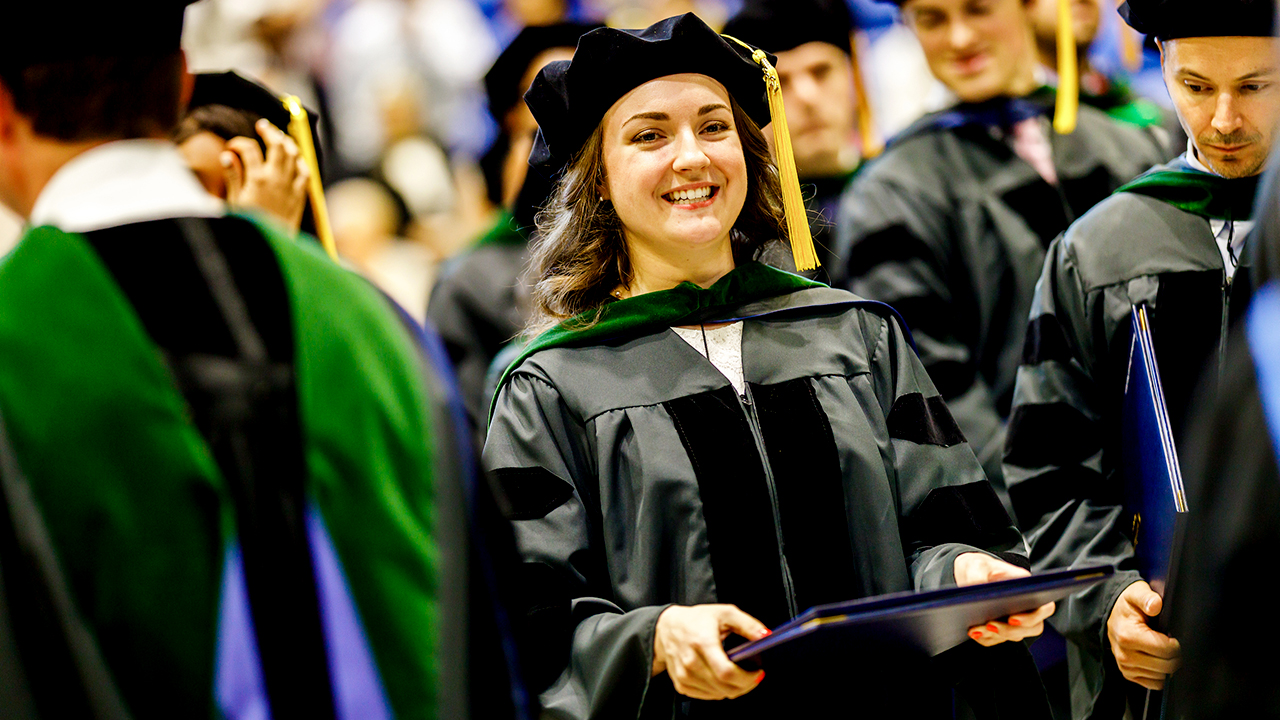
716 127
1194 87
647 136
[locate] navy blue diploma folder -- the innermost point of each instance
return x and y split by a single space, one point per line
917 623
1153 482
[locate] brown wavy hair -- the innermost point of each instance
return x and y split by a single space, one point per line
580 255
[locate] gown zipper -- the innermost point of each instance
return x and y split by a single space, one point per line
753 420
1226 307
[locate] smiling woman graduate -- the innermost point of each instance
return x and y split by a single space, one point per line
699 445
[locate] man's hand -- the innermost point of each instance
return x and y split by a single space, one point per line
1144 655
276 184
687 644
974 568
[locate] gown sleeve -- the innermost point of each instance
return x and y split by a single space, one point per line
947 505
590 658
1070 509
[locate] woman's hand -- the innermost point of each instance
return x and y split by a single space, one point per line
973 568
687 644
276 184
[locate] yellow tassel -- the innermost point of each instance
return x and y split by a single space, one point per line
871 143
300 130
802 250
1130 49
1068 102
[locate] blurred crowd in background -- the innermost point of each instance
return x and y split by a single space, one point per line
405 123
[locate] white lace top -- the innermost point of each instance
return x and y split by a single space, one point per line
722 346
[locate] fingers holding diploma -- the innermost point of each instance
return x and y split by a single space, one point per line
687 645
1144 655
977 568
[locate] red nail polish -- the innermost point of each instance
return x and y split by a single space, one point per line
992 627
1015 622
766 633
760 677
975 634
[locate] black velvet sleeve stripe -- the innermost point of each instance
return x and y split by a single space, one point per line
546 632
893 244
925 421
969 514
1021 561
530 493
1046 340
1043 494
1043 209
1051 434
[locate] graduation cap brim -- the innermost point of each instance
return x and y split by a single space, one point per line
569 99
238 92
50 32
1176 19
782 25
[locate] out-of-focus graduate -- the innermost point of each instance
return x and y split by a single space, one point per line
698 444
1233 498
235 137
1111 95
951 223
1171 239
478 303
822 88
217 447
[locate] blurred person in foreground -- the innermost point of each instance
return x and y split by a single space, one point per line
1171 240
217 447
951 223
813 40
1233 499
478 304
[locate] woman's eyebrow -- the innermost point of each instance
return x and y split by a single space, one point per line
712 108
648 116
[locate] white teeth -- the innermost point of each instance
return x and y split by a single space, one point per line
691 195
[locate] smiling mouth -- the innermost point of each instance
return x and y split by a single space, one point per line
692 197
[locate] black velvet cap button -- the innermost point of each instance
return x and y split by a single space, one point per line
781 25
502 82
569 99
39 31
1173 19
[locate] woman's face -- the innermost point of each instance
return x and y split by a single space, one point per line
676 173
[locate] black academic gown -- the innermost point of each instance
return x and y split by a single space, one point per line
637 477
950 227
1063 454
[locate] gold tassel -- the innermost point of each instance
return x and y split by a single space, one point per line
871 143
802 250
1068 102
300 130
1130 47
